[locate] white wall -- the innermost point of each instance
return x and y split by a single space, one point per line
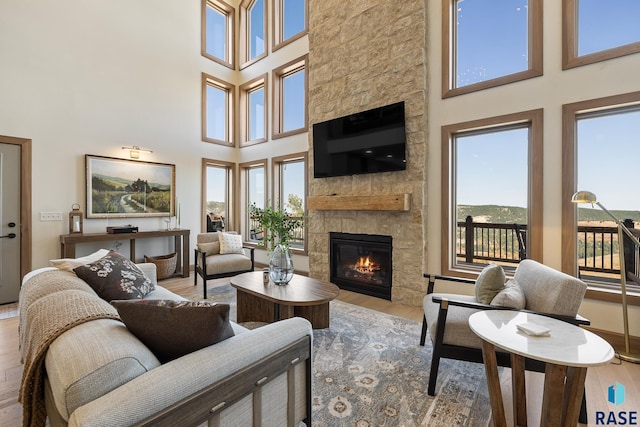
83 77
550 92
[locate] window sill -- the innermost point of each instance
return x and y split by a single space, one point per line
600 294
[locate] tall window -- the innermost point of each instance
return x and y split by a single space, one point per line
290 98
217 179
255 187
492 201
217 110
601 138
290 21
253 36
490 43
290 175
597 30
218 32
253 112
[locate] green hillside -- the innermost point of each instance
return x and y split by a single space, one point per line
518 215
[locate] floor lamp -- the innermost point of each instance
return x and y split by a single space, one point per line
588 197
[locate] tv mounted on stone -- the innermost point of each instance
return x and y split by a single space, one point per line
366 142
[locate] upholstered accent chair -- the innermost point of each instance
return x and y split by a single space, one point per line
215 259
547 291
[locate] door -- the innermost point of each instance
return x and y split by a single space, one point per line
9 223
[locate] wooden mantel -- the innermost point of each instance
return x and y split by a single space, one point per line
377 202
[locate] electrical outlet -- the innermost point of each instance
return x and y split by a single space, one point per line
50 216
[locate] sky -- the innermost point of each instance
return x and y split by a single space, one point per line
489 32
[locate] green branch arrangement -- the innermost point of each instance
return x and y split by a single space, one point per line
277 224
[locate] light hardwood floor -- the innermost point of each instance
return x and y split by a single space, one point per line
598 379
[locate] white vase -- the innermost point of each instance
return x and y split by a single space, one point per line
281 265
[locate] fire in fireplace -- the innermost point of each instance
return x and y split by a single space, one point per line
361 263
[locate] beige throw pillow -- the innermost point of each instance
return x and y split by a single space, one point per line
230 243
511 296
489 283
211 248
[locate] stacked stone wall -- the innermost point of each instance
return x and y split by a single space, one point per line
364 54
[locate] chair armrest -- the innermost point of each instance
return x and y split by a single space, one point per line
577 320
433 277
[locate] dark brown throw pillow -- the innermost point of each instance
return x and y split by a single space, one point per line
171 329
115 277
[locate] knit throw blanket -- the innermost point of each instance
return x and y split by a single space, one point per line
51 303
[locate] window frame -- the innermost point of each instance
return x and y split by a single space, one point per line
570 57
229 13
534 119
276 164
230 220
230 89
570 114
244 114
535 50
244 34
279 74
244 196
278 41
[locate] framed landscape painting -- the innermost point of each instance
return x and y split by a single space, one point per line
121 188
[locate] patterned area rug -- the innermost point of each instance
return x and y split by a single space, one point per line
369 370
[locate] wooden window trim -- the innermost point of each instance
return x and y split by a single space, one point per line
535 183
229 12
301 63
570 57
244 195
278 161
534 39
243 115
245 50
570 112
278 41
208 80
231 219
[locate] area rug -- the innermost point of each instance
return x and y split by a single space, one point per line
369 370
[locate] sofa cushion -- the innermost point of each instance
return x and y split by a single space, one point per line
228 263
115 277
92 359
457 331
511 296
69 264
171 328
230 243
489 283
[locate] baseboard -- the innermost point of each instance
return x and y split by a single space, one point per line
617 340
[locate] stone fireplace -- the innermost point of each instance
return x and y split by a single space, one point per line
361 263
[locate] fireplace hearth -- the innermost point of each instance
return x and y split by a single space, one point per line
361 263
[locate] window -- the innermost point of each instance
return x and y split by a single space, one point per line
253 111
253 35
599 30
290 21
217 32
290 176
290 98
489 43
255 187
217 179
217 110
601 149
492 193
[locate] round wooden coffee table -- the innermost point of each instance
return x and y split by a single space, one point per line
302 297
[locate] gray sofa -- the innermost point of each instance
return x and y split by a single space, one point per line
99 374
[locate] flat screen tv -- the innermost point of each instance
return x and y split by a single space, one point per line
365 142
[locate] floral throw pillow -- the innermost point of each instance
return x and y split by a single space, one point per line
171 329
115 277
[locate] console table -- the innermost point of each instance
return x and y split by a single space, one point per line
68 243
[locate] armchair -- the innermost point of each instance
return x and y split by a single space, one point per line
547 291
211 264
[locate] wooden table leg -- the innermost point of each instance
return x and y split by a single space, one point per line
574 389
185 255
493 382
553 395
519 390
